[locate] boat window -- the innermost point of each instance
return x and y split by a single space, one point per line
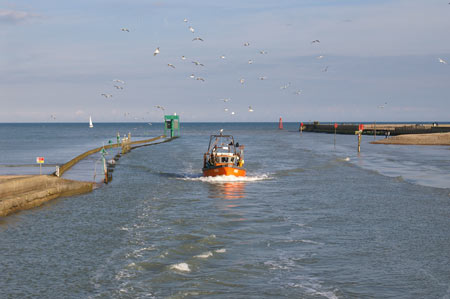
217 159
224 159
232 160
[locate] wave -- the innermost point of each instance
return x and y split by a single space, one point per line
225 178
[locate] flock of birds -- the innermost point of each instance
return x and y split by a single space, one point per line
119 84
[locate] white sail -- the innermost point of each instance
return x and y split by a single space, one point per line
90 122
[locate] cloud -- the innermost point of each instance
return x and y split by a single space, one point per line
14 16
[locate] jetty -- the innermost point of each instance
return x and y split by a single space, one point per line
21 192
375 129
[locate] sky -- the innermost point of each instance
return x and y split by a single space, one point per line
380 60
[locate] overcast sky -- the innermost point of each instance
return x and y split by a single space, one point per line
58 57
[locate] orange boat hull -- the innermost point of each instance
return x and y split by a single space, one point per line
224 170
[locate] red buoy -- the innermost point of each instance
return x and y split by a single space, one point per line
280 124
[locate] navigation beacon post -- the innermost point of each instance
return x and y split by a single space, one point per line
172 124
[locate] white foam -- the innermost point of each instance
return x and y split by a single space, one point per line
183 267
204 255
222 250
227 178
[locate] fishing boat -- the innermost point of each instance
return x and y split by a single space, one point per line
224 157
91 125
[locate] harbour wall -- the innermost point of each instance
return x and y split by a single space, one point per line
26 192
29 191
376 129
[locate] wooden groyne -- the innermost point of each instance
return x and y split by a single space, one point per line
376 129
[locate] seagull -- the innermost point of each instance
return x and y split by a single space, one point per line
232 113
125 29
118 87
250 109
191 29
185 20
222 56
198 63
107 95
225 100
200 79
242 80
221 131
320 57
325 69
160 107
197 38
262 78
297 92
315 41
226 109
183 58
192 76
285 86
119 81
52 117
246 44
156 52
250 61
442 60
171 65
262 52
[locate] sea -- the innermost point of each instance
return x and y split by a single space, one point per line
313 218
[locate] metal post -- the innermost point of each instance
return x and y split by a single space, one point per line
334 137
359 141
375 129
40 168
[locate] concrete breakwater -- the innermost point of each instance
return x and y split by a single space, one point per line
26 192
29 191
376 129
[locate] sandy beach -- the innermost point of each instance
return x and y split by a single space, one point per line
417 139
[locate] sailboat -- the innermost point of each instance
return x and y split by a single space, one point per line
90 122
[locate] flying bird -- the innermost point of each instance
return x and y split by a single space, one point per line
183 58
297 92
262 52
315 41
200 79
125 29
285 86
198 63
225 100
119 81
197 38
232 113
118 87
171 65
156 52
185 20
442 60
191 29
250 61
107 95
262 78
222 56
242 80
160 107
325 69
246 44
225 109
250 109
192 76
320 57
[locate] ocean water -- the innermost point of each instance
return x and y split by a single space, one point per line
311 220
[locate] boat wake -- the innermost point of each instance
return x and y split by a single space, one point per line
226 178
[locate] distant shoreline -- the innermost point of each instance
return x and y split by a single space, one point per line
417 139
